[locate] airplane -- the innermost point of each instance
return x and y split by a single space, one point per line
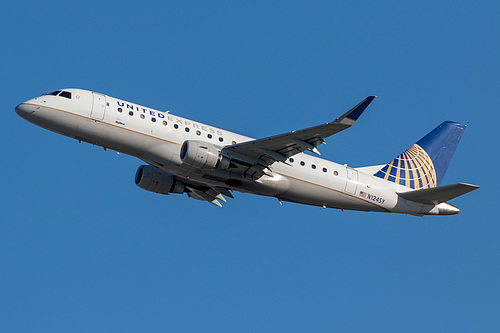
208 163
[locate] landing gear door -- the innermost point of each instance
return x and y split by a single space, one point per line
98 106
351 184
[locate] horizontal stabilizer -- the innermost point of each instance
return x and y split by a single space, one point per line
436 195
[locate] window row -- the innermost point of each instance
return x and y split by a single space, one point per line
313 166
176 126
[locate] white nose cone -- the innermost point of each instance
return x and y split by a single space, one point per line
22 110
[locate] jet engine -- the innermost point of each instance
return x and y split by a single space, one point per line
152 179
203 155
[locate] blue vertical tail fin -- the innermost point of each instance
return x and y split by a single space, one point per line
424 164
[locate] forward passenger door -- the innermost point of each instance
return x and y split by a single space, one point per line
98 106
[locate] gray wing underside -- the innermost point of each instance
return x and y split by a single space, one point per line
436 195
205 192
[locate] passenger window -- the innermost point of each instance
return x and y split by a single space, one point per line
176 126
164 123
198 132
336 173
313 166
221 139
65 94
234 142
131 113
291 160
142 116
209 136
153 120
324 170
120 110
186 129
302 163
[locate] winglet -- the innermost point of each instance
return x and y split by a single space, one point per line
356 111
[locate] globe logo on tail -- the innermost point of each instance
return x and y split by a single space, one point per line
413 169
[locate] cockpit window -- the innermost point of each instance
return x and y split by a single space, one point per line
54 93
66 94
60 93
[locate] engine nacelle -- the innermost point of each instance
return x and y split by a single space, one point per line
152 179
203 155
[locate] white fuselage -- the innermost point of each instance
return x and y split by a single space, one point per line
156 138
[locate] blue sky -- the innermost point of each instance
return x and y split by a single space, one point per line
83 249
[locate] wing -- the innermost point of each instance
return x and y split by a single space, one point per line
260 154
254 158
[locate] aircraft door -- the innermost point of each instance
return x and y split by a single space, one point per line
351 184
98 106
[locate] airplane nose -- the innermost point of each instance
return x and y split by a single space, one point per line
23 110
